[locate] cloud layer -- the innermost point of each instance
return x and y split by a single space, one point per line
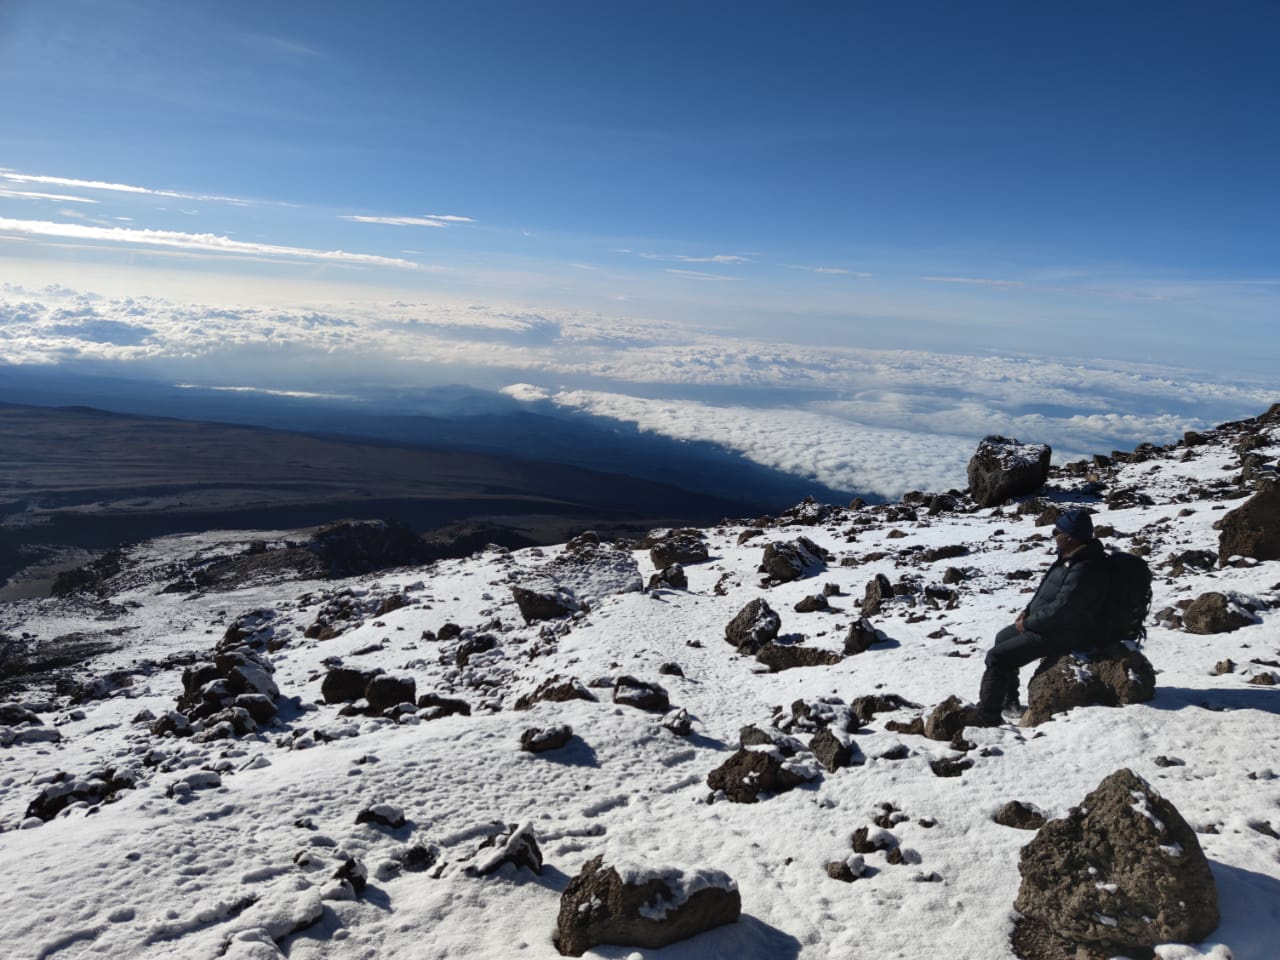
856 419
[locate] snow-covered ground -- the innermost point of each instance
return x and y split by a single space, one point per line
193 865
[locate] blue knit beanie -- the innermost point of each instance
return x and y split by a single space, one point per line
1077 523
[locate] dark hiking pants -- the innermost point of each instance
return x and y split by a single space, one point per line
1011 651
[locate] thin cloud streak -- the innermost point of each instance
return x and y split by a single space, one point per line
33 195
395 221
115 187
208 242
976 281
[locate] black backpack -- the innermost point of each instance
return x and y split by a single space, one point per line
1128 600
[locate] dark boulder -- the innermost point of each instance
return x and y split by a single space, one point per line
385 691
344 684
786 656
1019 815
861 636
948 719
1001 469
432 706
639 907
878 591
1216 613
640 694
555 689
788 560
749 775
754 625
1120 874
540 739
543 604
1253 528
681 547
1113 676
672 576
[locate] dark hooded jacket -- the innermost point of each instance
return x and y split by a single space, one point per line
1069 600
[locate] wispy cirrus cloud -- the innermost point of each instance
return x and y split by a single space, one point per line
37 195
697 274
206 242
975 281
835 271
430 220
679 258
15 177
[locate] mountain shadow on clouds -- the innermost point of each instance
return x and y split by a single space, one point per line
453 417
88 479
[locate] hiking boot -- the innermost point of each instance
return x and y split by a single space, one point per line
1013 712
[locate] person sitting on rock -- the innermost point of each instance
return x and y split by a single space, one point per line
1062 616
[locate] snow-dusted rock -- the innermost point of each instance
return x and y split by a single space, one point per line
640 906
1002 468
1113 676
1121 873
754 625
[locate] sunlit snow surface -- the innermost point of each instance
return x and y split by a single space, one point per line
229 870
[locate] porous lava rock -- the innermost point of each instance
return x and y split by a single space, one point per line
631 905
1253 528
786 656
1114 676
753 626
1215 612
751 773
1019 815
1120 874
1001 469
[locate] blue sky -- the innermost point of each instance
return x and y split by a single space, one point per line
1094 181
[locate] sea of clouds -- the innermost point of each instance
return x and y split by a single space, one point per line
856 418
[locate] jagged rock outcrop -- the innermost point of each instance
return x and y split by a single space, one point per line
1112 676
633 905
352 547
1253 528
1002 468
1120 874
